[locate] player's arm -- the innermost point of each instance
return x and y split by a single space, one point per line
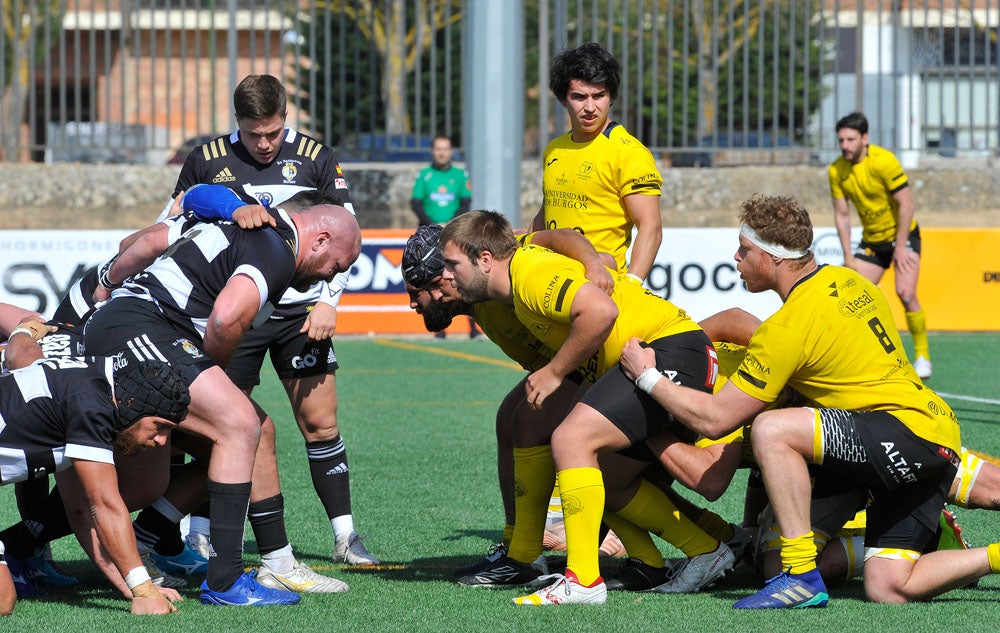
538 223
20 351
232 314
575 246
645 213
842 219
708 471
592 315
11 315
8 595
733 325
711 415
901 258
417 206
144 249
218 202
98 482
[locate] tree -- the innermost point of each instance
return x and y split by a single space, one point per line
30 27
399 35
739 65
707 64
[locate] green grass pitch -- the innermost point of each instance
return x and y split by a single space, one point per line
417 418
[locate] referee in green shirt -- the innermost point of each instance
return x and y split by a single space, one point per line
441 191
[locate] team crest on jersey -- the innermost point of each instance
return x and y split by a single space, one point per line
189 347
288 172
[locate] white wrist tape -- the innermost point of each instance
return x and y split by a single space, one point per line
648 379
21 330
136 577
634 277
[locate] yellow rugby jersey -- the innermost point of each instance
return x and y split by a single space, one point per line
584 186
870 185
834 341
544 285
499 323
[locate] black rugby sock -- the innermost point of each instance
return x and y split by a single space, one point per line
330 476
229 504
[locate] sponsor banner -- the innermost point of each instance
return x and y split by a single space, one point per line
959 286
959 283
37 268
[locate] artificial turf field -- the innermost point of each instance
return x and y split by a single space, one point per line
417 418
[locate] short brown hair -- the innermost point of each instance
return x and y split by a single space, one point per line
780 220
478 231
259 97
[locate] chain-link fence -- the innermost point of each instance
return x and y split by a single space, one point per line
705 82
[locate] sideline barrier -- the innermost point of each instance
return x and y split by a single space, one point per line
959 285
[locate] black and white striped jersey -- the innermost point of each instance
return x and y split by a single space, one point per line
185 280
302 163
53 411
78 304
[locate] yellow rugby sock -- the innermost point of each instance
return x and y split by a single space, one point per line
508 534
917 324
534 472
715 525
993 554
799 553
582 492
654 511
637 541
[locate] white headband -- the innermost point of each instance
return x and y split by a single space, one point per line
769 247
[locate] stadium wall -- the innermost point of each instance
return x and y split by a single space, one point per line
948 192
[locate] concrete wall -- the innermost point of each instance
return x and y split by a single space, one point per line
948 192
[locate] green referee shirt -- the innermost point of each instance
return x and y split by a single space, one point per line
441 191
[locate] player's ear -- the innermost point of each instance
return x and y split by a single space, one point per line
321 241
485 261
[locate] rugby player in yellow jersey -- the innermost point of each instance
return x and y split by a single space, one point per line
526 458
587 329
872 422
598 179
873 181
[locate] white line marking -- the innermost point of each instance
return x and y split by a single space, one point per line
969 398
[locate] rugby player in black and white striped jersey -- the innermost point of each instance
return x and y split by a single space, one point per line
191 306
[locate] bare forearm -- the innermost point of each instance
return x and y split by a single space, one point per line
905 217
644 249
842 220
707 471
221 340
141 252
697 410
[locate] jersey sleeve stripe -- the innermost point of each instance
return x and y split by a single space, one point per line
90 453
760 384
258 280
648 185
562 294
